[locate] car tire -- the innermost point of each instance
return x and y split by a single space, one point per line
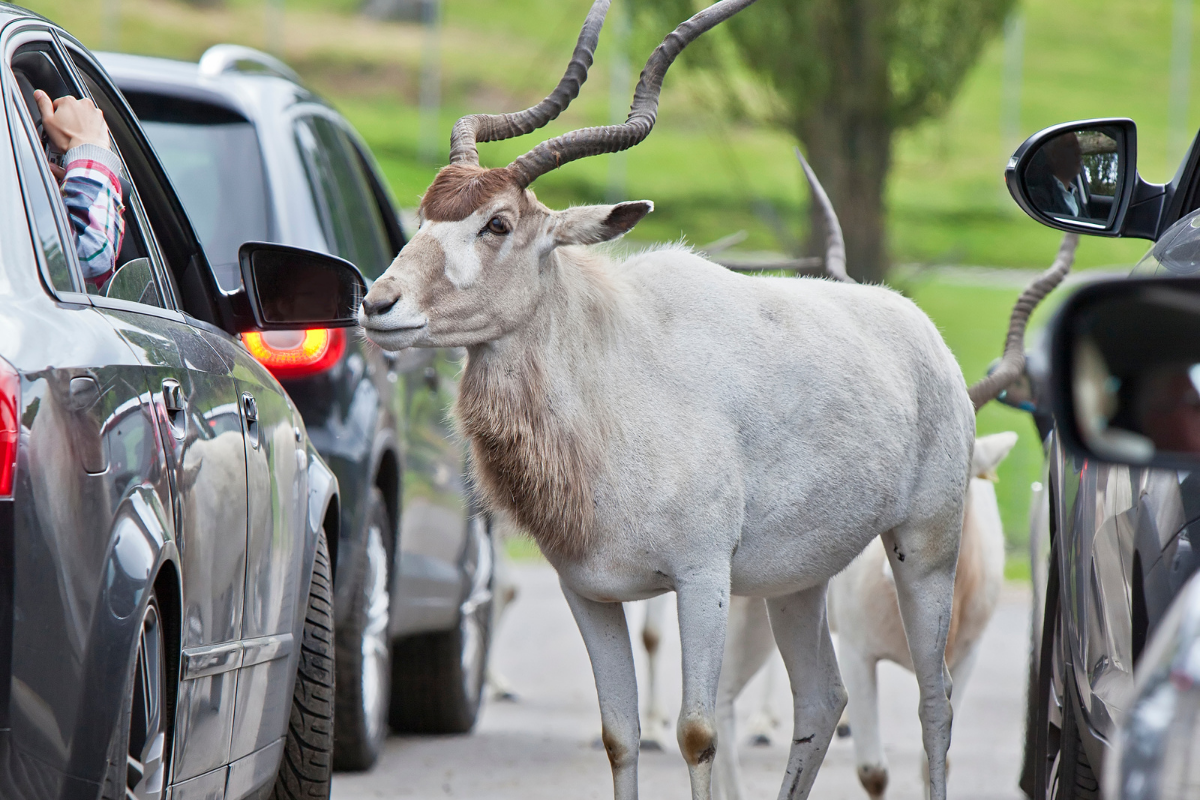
438 678
1072 777
1060 766
363 653
307 764
137 762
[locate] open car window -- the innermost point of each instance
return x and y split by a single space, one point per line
134 277
187 280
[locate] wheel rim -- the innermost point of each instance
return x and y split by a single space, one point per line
375 656
145 762
474 615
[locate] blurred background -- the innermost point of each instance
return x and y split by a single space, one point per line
908 110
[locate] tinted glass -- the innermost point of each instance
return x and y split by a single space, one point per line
217 171
1177 251
295 287
1136 374
43 221
343 196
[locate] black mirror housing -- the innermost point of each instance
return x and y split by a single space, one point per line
1082 177
1077 176
289 288
1125 372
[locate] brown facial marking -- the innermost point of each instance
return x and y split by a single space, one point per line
460 189
526 461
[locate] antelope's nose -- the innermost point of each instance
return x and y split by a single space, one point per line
373 307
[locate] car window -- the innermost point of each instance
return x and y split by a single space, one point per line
43 221
37 66
213 158
345 203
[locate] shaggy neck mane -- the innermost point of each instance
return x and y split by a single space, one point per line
537 440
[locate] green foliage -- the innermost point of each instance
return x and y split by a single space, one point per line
812 51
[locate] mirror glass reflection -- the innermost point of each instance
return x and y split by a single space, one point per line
301 289
1136 375
1076 175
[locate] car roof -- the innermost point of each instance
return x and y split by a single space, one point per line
248 94
9 12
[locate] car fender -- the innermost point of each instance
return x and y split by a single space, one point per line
323 510
140 546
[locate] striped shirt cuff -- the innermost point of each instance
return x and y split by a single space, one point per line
94 152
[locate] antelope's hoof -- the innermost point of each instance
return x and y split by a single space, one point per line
761 740
843 731
651 746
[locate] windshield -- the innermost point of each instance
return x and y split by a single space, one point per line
1177 251
214 162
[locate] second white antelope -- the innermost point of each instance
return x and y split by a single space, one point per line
659 423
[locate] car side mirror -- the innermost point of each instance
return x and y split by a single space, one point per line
1125 367
289 288
1082 177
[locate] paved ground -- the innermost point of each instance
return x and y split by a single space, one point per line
542 746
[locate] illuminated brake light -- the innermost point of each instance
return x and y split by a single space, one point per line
296 354
10 426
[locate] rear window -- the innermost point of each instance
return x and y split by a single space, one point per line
213 159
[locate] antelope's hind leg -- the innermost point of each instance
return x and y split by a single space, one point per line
606 636
748 646
656 727
924 558
801 630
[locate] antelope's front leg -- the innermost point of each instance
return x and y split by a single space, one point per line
606 636
703 615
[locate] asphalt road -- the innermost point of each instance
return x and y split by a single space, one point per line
545 745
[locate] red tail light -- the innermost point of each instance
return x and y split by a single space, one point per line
10 426
297 354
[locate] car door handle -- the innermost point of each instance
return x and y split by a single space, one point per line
175 406
250 412
249 407
172 395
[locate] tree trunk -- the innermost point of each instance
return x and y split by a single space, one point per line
851 158
847 129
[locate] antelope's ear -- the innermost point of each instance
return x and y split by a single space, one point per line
989 452
595 224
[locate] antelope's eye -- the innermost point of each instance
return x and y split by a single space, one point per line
497 226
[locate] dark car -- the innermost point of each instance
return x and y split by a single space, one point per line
254 155
1121 538
165 583
1125 389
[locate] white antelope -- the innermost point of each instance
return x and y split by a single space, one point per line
660 423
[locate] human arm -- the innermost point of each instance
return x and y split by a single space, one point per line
91 188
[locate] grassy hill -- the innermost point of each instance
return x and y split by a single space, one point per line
710 176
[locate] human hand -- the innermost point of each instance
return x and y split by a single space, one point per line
70 122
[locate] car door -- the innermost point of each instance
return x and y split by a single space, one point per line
201 422
427 583
95 462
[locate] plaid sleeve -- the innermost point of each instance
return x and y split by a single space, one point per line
92 193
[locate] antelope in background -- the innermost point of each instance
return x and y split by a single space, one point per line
660 423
